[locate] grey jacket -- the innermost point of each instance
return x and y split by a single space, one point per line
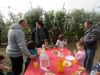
90 37
16 42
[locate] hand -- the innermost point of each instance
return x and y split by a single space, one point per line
33 56
6 68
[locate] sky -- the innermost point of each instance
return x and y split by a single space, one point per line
24 5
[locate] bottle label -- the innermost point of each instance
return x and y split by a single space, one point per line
44 63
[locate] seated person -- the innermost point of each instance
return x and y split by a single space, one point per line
80 54
45 44
32 49
61 42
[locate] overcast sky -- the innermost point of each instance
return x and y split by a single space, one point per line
24 5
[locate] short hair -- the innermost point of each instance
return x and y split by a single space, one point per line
31 45
61 37
89 22
40 23
21 21
80 43
45 40
1 57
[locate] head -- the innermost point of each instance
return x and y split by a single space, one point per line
1 58
88 25
80 45
61 37
31 45
46 41
39 24
23 24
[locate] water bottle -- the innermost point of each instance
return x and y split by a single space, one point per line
94 70
98 66
44 61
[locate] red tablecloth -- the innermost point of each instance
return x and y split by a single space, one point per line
53 65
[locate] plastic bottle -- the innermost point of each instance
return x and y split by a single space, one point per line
94 70
44 60
60 67
98 66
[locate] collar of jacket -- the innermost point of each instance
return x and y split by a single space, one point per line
16 27
89 29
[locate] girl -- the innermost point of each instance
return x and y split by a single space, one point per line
61 42
45 44
80 54
31 47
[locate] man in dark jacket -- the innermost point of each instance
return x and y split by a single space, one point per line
90 39
38 34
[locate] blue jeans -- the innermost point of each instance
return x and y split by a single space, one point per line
90 53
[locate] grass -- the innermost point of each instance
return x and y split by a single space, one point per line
70 46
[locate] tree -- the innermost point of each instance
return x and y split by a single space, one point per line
2 27
60 19
33 15
73 26
48 19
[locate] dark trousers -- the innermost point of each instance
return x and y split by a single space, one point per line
17 64
1 73
90 53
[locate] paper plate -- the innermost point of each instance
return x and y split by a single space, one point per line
69 58
66 63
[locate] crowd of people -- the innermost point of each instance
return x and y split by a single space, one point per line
84 53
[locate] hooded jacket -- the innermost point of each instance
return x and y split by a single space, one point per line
91 37
16 42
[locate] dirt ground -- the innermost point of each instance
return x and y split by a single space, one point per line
7 61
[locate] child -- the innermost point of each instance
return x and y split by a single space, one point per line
61 42
31 47
80 55
45 44
2 65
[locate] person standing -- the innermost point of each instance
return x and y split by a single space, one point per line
38 34
16 46
55 32
90 40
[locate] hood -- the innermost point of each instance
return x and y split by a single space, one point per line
15 26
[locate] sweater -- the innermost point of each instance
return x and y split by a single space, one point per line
80 56
16 42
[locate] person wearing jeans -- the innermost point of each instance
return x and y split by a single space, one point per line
90 57
16 46
90 40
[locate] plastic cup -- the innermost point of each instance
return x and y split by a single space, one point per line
75 61
35 64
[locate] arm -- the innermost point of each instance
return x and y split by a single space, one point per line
33 35
42 34
57 43
79 56
91 38
65 42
